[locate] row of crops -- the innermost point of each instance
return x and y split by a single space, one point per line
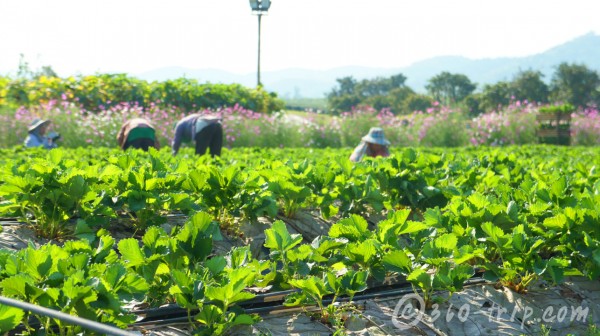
518 214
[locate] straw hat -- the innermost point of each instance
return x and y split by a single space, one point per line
36 123
376 136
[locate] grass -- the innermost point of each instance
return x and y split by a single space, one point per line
306 103
319 118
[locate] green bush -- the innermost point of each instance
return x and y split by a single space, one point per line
100 92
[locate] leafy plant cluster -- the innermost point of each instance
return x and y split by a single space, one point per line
105 90
552 109
53 189
518 215
96 277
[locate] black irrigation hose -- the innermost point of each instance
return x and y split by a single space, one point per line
10 223
265 301
103 329
404 288
259 298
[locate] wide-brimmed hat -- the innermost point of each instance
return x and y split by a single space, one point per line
376 136
37 122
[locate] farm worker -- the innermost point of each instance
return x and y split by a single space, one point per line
373 144
205 130
37 135
137 133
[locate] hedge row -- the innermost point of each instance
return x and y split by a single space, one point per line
102 91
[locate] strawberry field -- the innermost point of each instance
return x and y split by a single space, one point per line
116 237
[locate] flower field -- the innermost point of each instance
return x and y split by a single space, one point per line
434 217
440 126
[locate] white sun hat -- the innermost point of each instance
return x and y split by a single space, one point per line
376 136
37 122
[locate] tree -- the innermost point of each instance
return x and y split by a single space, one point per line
450 88
26 72
496 95
397 81
416 102
380 86
528 85
377 92
575 84
394 100
472 104
46 71
347 86
343 97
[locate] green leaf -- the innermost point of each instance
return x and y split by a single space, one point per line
313 286
10 318
131 252
409 154
433 217
538 208
559 187
200 221
446 242
397 261
15 286
556 267
297 298
135 284
104 252
38 263
210 315
84 231
479 201
513 211
153 236
244 319
113 274
325 246
543 195
232 292
76 293
495 234
557 222
76 187
420 278
216 265
194 238
226 295
182 279
56 155
80 261
278 237
467 252
354 228
411 227
364 251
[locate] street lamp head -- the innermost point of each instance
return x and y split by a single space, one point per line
260 5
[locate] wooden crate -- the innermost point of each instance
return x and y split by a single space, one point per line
554 128
550 117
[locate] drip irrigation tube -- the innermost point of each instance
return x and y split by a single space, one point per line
278 308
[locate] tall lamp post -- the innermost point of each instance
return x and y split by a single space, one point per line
259 7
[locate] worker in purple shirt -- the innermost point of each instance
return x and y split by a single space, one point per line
206 130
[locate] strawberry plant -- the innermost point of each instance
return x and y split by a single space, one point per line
280 242
78 279
216 317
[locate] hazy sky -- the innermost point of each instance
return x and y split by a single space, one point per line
133 36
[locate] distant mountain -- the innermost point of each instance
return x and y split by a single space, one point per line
305 83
